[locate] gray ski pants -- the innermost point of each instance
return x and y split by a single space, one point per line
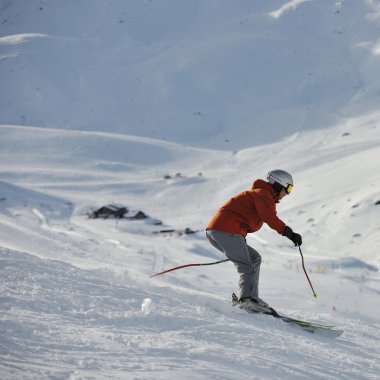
247 260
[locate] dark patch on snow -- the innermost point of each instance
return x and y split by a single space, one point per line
178 176
352 263
173 176
171 231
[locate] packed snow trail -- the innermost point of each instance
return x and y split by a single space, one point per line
63 322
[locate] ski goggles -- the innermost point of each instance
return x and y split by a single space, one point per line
289 189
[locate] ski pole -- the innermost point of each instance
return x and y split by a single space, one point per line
303 266
188 265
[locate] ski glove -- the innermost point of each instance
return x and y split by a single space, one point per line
293 236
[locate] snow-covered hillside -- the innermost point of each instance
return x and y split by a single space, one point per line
73 287
170 108
215 74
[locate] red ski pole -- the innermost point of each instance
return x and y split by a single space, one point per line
303 266
188 265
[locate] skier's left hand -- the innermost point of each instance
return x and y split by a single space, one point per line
297 239
293 236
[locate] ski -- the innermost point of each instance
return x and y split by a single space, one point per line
317 328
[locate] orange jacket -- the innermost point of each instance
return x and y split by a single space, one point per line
247 211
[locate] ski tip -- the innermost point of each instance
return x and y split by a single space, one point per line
315 295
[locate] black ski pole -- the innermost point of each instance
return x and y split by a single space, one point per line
303 266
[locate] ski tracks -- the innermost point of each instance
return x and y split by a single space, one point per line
60 321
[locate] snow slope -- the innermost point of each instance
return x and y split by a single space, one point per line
73 288
106 102
219 74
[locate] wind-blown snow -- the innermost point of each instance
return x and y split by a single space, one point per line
19 38
171 108
291 5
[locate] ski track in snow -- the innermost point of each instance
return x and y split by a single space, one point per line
70 322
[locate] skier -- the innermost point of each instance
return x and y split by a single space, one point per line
245 213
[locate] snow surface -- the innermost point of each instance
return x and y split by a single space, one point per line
171 107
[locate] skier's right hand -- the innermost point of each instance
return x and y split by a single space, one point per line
293 236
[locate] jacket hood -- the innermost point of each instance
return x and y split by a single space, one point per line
264 185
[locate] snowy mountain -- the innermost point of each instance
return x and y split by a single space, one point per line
219 74
170 108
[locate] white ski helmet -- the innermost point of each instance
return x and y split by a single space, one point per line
281 177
